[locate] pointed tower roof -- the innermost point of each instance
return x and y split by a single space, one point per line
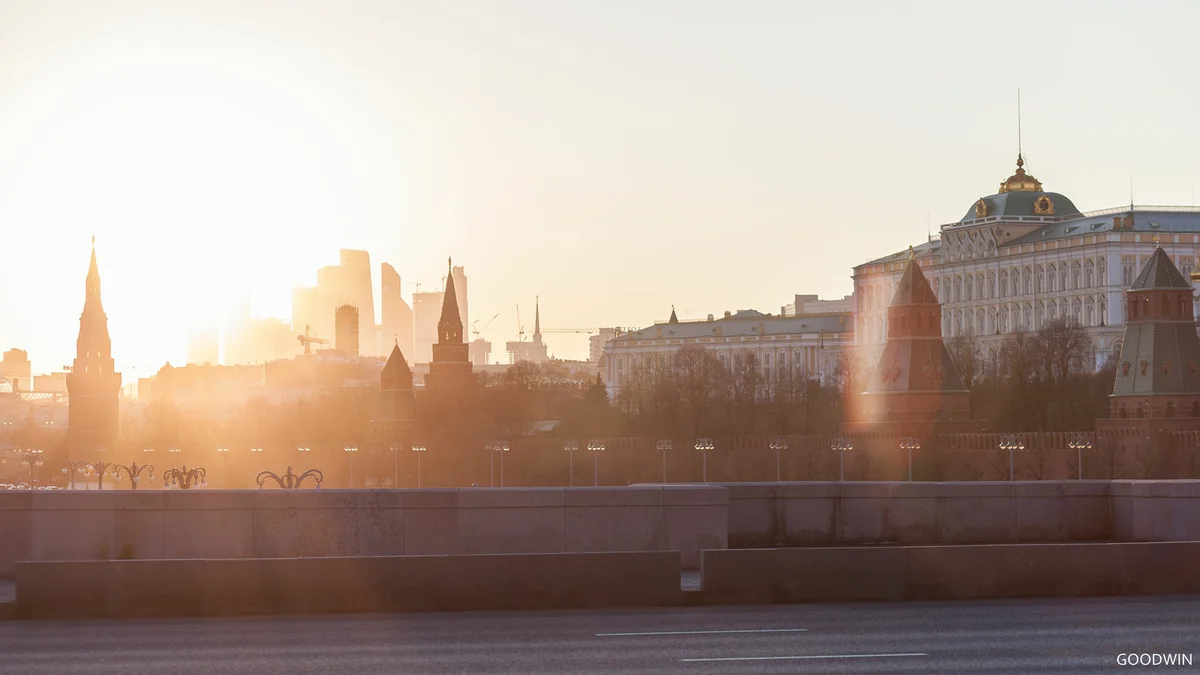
913 288
673 319
914 358
450 326
1160 352
396 376
1160 272
92 299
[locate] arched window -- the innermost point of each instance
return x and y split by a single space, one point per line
1101 273
1166 307
967 295
1016 281
1090 313
1170 411
1050 280
979 287
1040 318
979 328
1076 275
1028 276
1003 284
1121 412
1088 274
957 289
1039 280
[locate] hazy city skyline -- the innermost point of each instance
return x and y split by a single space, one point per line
723 158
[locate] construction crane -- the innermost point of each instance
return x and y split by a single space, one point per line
475 331
308 340
417 284
520 326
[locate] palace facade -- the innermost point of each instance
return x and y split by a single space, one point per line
1023 257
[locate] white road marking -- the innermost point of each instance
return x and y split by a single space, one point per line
794 658
706 632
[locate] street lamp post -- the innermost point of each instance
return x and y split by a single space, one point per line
289 480
705 445
185 478
841 445
778 445
596 448
134 471
71 468
493 448
420 450
32 459
908 443
664 446
571 447
1079 443
1011 442
351 449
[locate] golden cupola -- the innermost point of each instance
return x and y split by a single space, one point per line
1021 181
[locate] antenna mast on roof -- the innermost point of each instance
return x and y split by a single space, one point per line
1019 149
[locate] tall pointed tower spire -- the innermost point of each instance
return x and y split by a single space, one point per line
93 385
537 320
450 368
450 328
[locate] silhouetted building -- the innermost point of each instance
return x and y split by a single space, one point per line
396 417
347 330
16 370
534 351
397 323
93 385
427 311
481 351
450 369
358 292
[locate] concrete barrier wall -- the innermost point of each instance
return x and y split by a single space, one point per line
154 524
835 574
797 514
1156 510
326 585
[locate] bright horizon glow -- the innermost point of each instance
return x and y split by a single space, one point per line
613 158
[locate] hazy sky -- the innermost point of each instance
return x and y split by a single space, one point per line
612 157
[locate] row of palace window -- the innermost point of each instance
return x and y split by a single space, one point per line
1028 280
803 360
1092 311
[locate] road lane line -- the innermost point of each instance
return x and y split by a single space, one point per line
706 632
795 658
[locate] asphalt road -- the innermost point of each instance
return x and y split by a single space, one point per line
1060 636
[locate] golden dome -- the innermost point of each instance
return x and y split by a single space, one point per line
1021 181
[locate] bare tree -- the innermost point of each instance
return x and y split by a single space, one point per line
966 356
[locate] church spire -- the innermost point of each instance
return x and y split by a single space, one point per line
537 320
673 319
450 326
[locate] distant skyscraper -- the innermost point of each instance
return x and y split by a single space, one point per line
397 324
203 347
93 384
427 308
481 351
535 350
347 330
357 279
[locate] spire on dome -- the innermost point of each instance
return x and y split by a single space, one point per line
673 319
1021 181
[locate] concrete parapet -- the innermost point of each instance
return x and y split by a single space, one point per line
949 572
156 524
353 584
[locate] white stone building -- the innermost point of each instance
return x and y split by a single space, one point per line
809 345
1023 257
